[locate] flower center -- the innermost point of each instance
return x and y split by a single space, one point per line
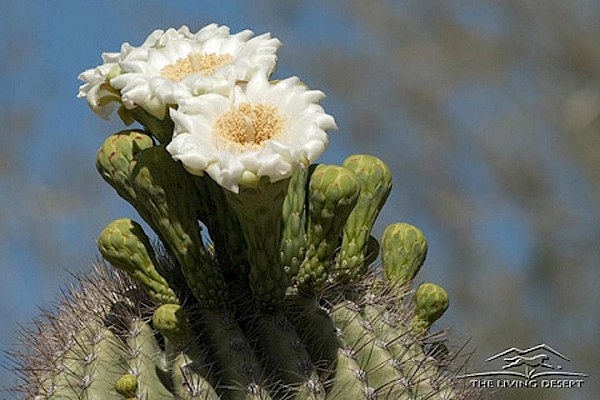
249 125
195 63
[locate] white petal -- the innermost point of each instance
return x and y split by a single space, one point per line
301 141
140 67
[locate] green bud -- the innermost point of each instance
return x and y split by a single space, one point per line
115 160
431 301
403 249
124 244
333 191
171 321
127 385
375 183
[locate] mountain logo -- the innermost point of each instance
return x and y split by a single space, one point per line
537 366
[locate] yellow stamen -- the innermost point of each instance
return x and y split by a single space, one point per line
249 125
195 63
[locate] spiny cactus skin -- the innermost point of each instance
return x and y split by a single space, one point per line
280 307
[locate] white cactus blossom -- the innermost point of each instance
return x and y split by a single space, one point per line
175 65
97 90
260 129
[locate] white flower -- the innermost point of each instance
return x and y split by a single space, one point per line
259 129
174 65
96 90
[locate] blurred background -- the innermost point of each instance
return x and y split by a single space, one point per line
487 112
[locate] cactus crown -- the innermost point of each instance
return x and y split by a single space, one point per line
278 297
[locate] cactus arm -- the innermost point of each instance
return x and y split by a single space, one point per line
371 354
403 251
406 350
375 182
332 195
101 367
115 162
124 244
188 384
168 193
259 213
226 234
349 380
317 330
143 354
286 354
88 369
240 371
293 240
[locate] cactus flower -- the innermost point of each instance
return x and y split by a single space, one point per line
96 88
101 97
180 65
261 129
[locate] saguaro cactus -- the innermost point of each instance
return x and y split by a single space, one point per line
277 298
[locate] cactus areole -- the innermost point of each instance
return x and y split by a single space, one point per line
263 283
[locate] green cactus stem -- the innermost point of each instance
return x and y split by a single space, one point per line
226 234
189 382
370 352
375 183
286 354
333 191
124 244
88 368
312 323
403 251
419 371
349 379
160 128
293 241
184 355
144 361
240 371
259 210
169 194
103 347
